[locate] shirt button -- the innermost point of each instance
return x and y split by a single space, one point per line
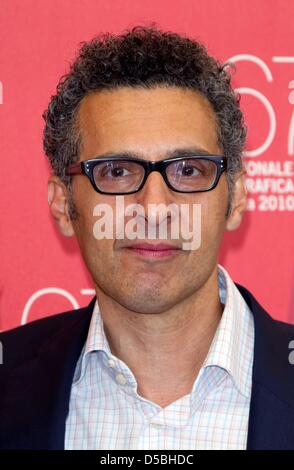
110 363
157 425
120 378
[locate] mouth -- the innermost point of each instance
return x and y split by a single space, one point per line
152 250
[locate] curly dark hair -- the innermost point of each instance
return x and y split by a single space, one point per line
141 57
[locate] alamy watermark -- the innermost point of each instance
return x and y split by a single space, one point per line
173 221
291 355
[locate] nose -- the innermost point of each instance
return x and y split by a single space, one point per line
154 193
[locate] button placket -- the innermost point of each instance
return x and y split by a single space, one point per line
121 379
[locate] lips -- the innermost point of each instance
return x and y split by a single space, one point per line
152 250
153 246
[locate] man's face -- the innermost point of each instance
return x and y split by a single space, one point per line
150 123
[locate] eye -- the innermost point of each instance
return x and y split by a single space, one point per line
188 169
114 170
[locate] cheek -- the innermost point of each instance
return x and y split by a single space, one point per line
95 251
213 218
98 255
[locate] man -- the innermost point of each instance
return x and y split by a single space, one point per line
170 354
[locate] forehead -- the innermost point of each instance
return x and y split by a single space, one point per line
146 120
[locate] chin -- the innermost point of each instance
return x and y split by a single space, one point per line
147 301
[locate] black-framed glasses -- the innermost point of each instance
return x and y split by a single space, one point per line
119 175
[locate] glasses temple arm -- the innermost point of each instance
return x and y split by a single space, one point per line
75 169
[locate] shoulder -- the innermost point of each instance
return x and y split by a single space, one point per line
273 366
42 328
261 315
21 343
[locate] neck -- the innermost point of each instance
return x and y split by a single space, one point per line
166 350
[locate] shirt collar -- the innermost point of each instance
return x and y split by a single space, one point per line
232 345
96 341
228 351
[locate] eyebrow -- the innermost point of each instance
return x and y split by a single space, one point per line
178 152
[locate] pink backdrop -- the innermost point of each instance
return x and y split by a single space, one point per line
41 272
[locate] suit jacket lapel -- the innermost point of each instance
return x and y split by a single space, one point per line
271 419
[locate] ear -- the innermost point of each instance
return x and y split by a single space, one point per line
58 203
238 204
